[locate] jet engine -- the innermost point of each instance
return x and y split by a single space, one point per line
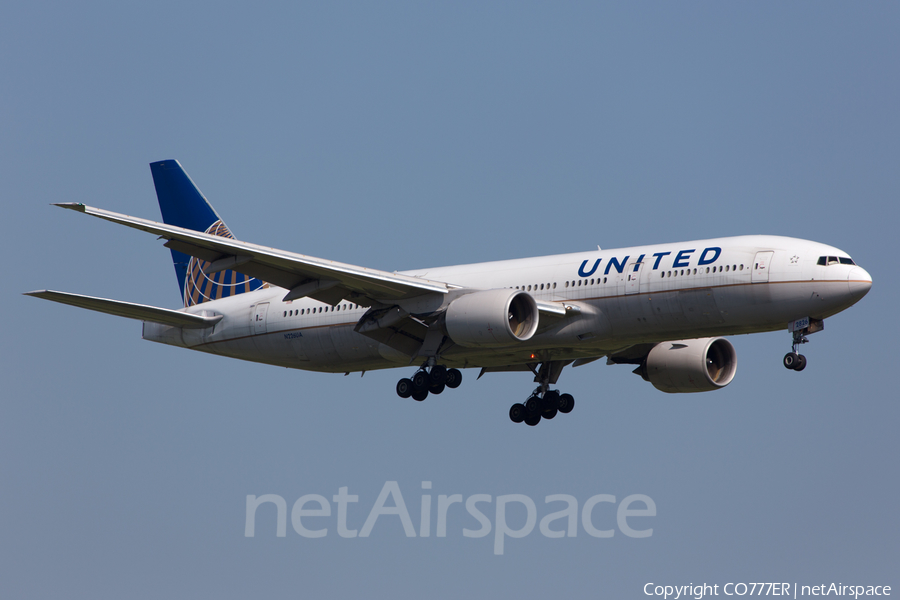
492 318
683 366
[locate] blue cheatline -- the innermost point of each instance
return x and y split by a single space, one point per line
182 204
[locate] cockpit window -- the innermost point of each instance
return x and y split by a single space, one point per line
834 260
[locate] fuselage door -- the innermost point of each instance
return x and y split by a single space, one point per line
259 318
633 278
761 266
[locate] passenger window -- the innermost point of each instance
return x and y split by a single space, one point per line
727 268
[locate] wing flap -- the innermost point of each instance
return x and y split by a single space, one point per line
141 312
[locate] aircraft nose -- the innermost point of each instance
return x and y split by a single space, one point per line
859 281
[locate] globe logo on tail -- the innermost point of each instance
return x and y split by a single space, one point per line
200 287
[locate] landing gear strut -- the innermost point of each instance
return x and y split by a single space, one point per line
425 382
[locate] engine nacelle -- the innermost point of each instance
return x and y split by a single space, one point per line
684 366
492 318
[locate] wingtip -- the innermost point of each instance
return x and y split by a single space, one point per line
71 205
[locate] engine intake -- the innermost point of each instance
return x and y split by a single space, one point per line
685 366
492 318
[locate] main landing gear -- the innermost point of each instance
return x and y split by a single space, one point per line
541 405
425 382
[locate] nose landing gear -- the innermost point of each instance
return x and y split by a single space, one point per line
799 330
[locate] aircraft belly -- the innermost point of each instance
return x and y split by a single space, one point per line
351 346
320 347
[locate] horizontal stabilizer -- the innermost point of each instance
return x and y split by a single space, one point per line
142 312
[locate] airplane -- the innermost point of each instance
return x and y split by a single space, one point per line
662 308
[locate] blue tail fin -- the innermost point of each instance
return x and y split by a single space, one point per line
182 204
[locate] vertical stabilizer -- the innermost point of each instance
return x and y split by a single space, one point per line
182 204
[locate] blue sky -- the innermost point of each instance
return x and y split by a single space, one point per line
400 136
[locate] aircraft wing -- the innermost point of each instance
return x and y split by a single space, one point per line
318 278
130 310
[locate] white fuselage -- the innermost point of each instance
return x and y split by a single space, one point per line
626 296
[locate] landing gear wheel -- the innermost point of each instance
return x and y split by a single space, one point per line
404 388
436 389
801 363
533 420
566 403
549 414
438 375
533 406
517 413
419 395
791 359
420 380
454 378
551 401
